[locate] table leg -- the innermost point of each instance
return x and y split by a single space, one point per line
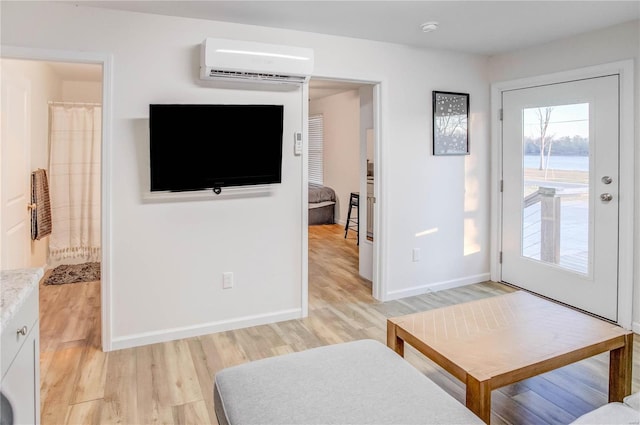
620 370
479 398
393 342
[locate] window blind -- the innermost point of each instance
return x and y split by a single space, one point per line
316 150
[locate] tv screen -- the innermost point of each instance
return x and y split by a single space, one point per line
195 147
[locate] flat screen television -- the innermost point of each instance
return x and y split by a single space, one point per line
197 147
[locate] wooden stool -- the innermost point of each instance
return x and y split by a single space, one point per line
353 223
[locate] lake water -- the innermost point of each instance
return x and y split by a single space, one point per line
559 162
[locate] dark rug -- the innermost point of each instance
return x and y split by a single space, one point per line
74 273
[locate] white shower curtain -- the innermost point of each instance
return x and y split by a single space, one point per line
74 180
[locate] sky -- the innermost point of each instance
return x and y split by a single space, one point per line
566 120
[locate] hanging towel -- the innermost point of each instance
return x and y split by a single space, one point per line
41 214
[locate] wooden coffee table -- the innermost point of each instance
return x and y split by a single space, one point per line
497 341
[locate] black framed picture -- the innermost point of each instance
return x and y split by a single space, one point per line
450 119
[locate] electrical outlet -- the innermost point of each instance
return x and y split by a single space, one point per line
416 255
227 280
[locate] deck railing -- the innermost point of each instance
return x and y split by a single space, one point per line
542 223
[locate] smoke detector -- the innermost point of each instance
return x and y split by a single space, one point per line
429 26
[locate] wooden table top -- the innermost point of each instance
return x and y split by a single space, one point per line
500 335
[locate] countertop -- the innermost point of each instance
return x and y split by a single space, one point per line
15 287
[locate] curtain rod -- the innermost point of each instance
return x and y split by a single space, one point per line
51 102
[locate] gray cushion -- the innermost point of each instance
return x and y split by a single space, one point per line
610 414
633 401
361 382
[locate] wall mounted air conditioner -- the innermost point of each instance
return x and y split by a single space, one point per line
251 61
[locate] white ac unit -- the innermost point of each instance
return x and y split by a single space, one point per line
251 61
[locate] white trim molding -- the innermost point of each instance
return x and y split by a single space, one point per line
437 286
625 69
164 335
379 275
304 278
106 60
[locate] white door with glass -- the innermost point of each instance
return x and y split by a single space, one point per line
560 146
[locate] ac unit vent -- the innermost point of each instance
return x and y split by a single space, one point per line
254 62
256 76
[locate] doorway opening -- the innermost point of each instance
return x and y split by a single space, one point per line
63 113
342 175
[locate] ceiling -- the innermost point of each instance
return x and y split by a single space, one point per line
481 27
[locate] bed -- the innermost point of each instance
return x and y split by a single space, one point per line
322 201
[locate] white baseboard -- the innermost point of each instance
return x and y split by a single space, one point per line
635 327
172 334
437 286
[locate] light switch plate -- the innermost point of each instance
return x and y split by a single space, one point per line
297 143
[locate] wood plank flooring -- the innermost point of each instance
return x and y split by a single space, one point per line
172 383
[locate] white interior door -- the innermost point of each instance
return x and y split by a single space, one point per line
560 208
16 144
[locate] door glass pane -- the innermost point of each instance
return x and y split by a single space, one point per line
555 212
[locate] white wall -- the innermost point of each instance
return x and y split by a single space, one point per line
341 120
45 85
167 259
609 45
82 91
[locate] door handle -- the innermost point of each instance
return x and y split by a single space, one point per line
606 180
606 197
31 207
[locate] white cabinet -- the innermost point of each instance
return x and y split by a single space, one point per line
21 362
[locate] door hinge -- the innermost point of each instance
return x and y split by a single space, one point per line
500 257
500 114
501 186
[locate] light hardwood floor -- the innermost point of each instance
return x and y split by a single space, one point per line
171 383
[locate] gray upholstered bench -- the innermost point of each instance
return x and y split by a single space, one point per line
614 413
361 382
